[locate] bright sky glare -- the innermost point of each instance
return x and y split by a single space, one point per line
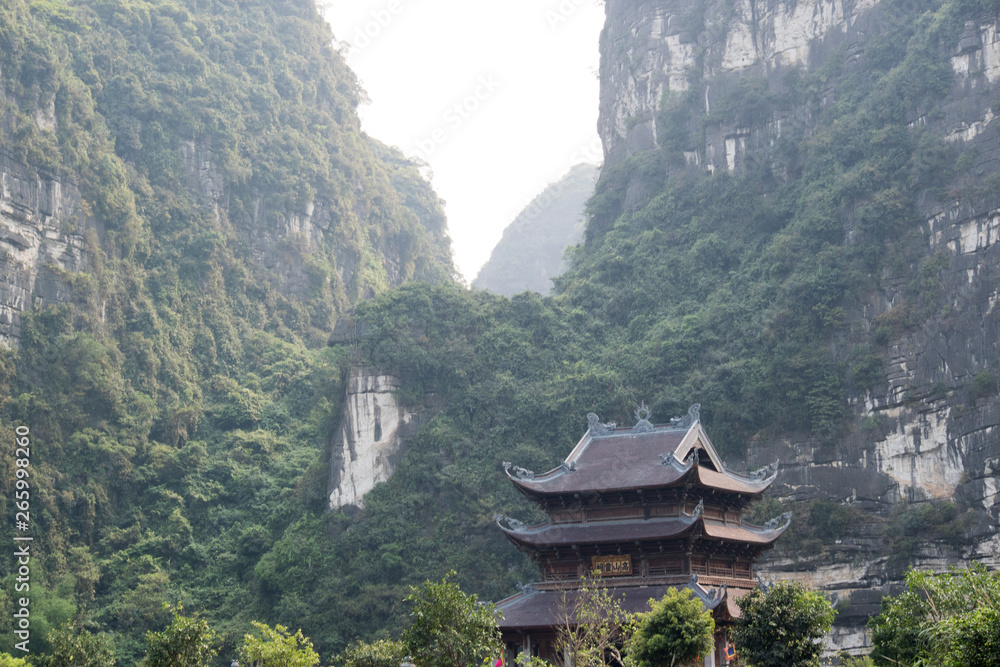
498 98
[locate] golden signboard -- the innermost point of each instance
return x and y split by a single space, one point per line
613 566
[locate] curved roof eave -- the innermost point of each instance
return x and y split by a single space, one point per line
694 438
603 533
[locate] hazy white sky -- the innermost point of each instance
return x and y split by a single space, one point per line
499 98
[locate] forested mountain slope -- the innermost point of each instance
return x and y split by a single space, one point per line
187 203
795 227
531 253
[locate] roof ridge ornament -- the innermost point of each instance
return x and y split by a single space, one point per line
522 473
669 459
717 594
642 415
699 509
687 421
512 524
774 523
596 427
766 473
568 467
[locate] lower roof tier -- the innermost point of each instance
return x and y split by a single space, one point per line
538 610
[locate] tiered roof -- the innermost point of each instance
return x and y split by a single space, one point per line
658 498
645 457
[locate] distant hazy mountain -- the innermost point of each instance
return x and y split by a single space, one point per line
531 251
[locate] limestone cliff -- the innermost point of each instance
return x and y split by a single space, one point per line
320 212
42 238
927 430
371 439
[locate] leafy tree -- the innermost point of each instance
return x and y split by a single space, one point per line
675 632
186 642
7 660
277 648
380 653
450 628
592 625
782 625
856 661
976 638
949 620
70 647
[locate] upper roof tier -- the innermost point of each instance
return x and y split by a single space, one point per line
643 457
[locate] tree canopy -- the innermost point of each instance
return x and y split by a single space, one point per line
592 624
947 620
450 628
75 647
186 642
277 647
675 632
782 626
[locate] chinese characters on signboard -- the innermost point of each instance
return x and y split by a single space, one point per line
613 566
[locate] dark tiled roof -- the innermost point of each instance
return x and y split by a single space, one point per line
541 609
605 532
599 532
624 459
621 460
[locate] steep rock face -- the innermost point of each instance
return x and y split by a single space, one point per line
656 48
41 235
370 441
929 431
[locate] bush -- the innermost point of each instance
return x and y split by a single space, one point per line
782 626
675 632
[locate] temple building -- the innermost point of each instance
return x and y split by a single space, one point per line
652 507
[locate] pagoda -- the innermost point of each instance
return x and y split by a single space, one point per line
650 507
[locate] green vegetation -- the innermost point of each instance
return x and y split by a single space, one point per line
450 628
75 647
182 399
592 627
914 524
380 653
676 632
186 642
951 620
782 626
277 647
